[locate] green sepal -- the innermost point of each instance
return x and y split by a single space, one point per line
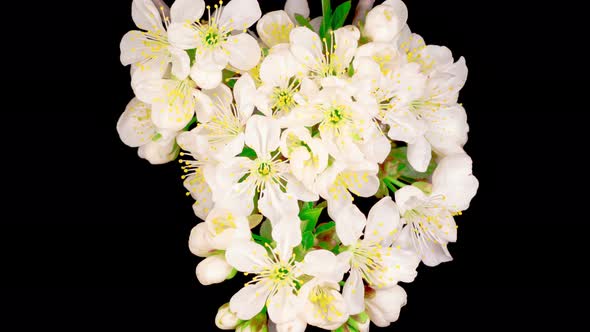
304 22
340 15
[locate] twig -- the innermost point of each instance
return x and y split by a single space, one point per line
361 11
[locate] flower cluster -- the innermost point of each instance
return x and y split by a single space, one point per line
278 117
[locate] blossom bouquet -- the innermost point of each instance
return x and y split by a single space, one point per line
278 117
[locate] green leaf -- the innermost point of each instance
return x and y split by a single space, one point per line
266 229
340 15
192 122
325 227
260 240
248 152
325 28
227 76
309 218
192 53
307 239
304 22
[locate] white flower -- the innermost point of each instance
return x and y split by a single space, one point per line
307 47
371 258
429 219
307 156
219 41
198 242
276 274
220 229
395 85
136 129
226 319
319 299
385 22
284 86
384 305
149 51
345 124
221 121
245 177
446 120
172 100
274 28
213 270
339 180
135 126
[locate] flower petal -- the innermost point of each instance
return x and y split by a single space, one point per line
250 300
419 154
408 197
306 46
240 14
350 222
383 222
213 270
454 179
183 36
385 22
384 307
287 233
146 16
247 257
275 204
300 7
181 63
244 51
188 11
263 135
244 95
280 305
198 242
447 130
324 265
354 292
274 28
206 78
135 125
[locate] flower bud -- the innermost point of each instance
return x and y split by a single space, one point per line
213 270
226 319
198 242
384 305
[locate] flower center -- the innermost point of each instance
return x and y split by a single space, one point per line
211 37
284 100
336 115
264 168
281 273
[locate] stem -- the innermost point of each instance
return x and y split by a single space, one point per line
389 185
188 126
395 182
362 9
163 8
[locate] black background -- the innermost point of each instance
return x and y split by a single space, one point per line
92 236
